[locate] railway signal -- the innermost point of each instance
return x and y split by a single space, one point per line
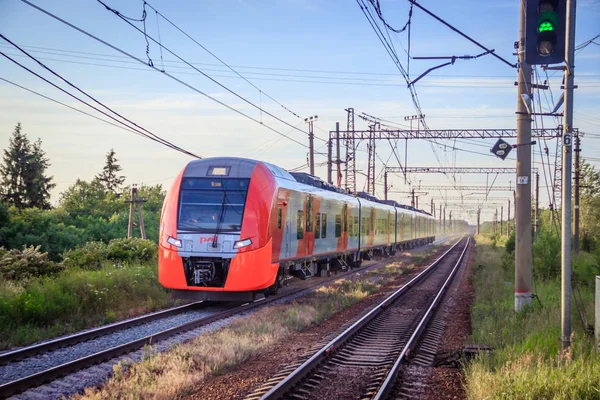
545 34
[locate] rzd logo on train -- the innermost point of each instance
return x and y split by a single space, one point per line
207 240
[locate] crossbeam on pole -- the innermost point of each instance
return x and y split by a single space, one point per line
447 133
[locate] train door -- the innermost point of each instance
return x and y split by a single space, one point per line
309 239
287 239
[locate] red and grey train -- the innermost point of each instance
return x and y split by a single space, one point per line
234 228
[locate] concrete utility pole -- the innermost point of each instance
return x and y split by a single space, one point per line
508 220
311 142
523 256
432 208
385 186
537 205
444 218
501 219
566 177
576 194
495 225
450 222
330 160
412 202
478 219
440 215
337 153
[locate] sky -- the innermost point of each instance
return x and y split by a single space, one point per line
297 59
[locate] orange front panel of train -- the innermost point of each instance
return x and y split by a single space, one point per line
252 270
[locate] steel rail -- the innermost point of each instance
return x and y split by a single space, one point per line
57 343
299 373
392 375
20 385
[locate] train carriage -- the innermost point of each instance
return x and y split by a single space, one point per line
233 228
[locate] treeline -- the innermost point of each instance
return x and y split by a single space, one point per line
547 247
87 211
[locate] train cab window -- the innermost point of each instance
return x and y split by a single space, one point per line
355 227
300 223
338 225
323 225
318 226
279 216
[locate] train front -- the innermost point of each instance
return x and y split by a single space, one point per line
214 241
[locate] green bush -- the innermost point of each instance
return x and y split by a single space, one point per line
133 249
546 256
585 268
93 255
75 299
90 256
18 264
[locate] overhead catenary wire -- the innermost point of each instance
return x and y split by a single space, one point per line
220 60
151 136
164 141
199 70
158 70
71 107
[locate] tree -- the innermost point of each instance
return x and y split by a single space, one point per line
38 185
590 208
108 177
23 181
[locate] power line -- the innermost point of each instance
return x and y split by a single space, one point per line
198 70
83 55
164 141
315 79
491 51
68 106
164 73
154 137
223 62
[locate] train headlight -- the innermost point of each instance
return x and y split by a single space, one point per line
242 243
174 242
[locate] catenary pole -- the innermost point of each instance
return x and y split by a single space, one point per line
566 177
577 177
523 257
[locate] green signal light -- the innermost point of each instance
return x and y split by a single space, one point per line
546 26
547 21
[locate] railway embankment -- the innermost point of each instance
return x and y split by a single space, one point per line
526 361
230 362
93 285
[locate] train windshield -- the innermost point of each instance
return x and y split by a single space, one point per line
212 205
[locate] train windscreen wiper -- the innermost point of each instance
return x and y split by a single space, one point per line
220 222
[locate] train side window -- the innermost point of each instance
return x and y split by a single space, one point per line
338 225
363 226
355 227
309 214
279 214
345 217
300 222
323 225
318 226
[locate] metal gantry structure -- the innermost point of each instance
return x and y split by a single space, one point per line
351 136
350 165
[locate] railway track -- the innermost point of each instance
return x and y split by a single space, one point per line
45 371
365 360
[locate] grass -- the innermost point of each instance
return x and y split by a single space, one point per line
42 308
180 371
526 362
